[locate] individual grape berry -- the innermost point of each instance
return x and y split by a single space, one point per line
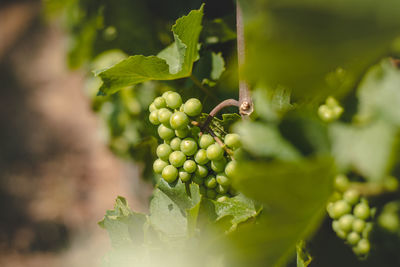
175 143
164 95
389 220
222 179
230 168
222 189
163 151
169 173
201 171
190 166
215 152
184 176
159 102
188 146
346 222
335 225
173 100
210 181
165 132
159 165
164 115
153 117
178 120
339 209
351 196
182 133
362 247
218 165
197 179
177 158
353 238
362 211
341 182
358 225
326 113
341 234
232 140
205 141
152 107
211 193
193 107
367 230
201 157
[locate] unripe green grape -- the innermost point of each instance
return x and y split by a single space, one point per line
362 211
163 151
218 165
165 132
164 115
326 113
351 196
391 184
222 179
190 166
389 220
173 100
182 133
202 190
353 238
211 193
367 230
346 222
341 182
222 189
193 107
152 107
169 173
230 168
184 176
201 157
188 146
178 120
181 108
175 143
205 141
153 117
358 225
177 158
339 209
197 179
341 234
362 247
201 171
335 226
159 165
232 140
222 198
215 152
164 95
210 181
159 102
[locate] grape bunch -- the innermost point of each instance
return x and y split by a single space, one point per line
351 216
186 153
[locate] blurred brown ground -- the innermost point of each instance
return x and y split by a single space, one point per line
57 176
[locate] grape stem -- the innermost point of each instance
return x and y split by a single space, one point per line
371 189
214 112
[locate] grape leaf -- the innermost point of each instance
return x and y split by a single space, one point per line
209 68
218 31
303 256
174 62
221 126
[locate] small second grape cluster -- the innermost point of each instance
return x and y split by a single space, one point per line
351 216
187 154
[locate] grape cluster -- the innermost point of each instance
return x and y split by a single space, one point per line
187 154
351 216
330 111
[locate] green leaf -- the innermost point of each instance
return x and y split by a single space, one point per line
294 196
368 150
218 31
221 126
303 256
175 62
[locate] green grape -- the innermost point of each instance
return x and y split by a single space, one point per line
182 133
193 107
159 165
211 193
159 102
232 140
222 179
201 171
358 225
190 166
184 176
163 151
341 182
210 181
179 120
218 165
353 238
362 211
188 146
173 100
367 230
164 95
339 209
215 152
202 190
165 132
164 115
198 180
153 117
362 247
201 157
346 222
341 234
351 196
175 143
335 225
230 168
152 107
205 141
177 158
389 220
222 189
169 173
